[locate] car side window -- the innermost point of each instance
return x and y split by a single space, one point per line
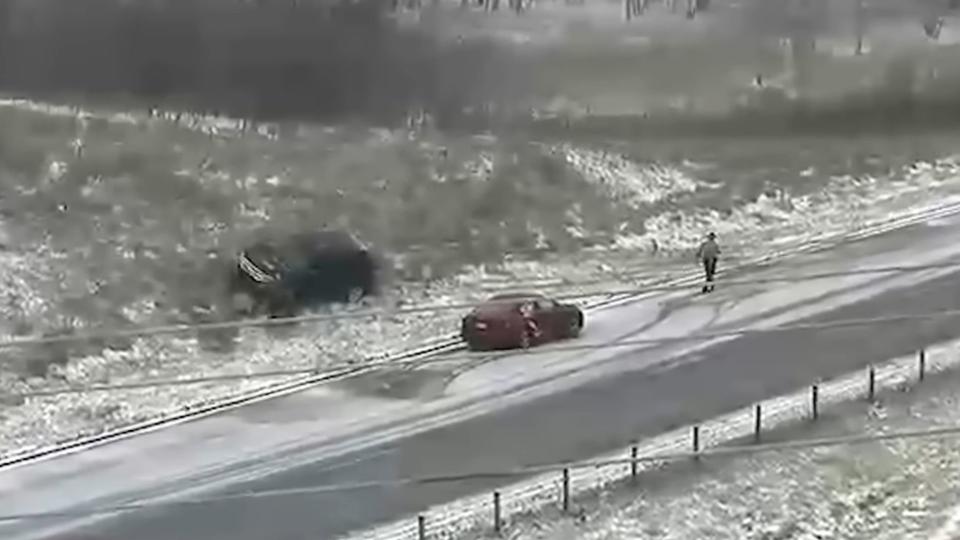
545 304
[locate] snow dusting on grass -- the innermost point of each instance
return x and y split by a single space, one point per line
627 181
778 218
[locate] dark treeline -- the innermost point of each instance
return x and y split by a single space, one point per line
887 113
265 59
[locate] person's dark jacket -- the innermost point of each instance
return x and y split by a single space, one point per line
709 249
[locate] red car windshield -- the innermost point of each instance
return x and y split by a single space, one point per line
496 308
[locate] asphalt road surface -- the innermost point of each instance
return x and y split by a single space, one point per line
576 424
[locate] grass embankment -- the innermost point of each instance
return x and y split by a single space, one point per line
139 224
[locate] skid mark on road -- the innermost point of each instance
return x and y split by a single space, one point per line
403 384
426 380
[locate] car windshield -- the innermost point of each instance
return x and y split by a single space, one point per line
503 303
519 297
298 248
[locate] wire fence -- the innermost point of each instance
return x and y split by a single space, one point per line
432 308
560 483
566 486
594 245
331 371
721 451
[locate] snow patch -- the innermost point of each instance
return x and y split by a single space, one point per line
777 217
625 180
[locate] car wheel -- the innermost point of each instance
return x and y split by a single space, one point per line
525 340
281 306
576 325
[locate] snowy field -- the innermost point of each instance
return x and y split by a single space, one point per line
634 201
874 491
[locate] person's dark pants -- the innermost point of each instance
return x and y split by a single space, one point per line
709 270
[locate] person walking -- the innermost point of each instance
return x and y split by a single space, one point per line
708 253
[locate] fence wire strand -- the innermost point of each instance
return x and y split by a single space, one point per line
342 370
720 451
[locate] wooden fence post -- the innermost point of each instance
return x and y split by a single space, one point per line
696 441
815 401
757 422
922 367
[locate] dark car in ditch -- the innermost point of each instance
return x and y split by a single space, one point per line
282 276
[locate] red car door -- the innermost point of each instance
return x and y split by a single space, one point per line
530 322
548 319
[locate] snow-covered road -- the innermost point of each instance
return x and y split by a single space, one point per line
348 433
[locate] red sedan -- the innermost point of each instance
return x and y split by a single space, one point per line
511 321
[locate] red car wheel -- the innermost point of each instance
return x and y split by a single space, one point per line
575 327
476 344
